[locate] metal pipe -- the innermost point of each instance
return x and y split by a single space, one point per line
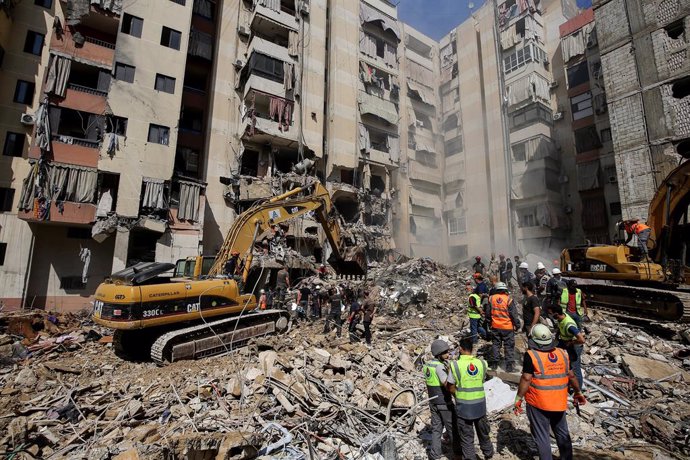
606 392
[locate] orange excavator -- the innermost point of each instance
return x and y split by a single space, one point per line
623 280
193 314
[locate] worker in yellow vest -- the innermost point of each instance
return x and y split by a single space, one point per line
475 313
501 316
544 383
573 303
469 373
570 338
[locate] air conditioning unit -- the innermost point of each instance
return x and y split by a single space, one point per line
243 31
304 8
27 119
613 179
557 116
554 85
239 64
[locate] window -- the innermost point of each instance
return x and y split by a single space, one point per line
165 83
519 152
117 125
527 217
523 56
2 55
179 2
457 225
587 139
530 115
191 120
606 135
615 208
44 3
6 197
204 8
33 43
454 146
124 72
3 251
266 66
552 182
14 144
577 74
72 283
171 38
132 25
159 134
78 233
24 92
581 106
426 158
458 252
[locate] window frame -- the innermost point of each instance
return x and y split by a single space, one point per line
159 129
166 82
28 94
580 146
171 38
47 4
131 25
126 68
577 74
582 106
518 146
6 199
3 253
5 148
34 34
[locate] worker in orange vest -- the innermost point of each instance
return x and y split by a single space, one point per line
643 232
544 384
501 316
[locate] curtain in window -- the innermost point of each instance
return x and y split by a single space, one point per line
43 129
272 4
189 201
588 175
288 76
57 178
29 187
203 8
153 193
200 44
293 43
390 55
425 94
393 144
367 44
58 74
364 139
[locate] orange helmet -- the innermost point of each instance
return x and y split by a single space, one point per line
234 252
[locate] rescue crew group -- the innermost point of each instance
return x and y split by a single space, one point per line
550 369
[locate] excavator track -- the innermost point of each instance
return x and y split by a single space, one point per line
217 337
635 302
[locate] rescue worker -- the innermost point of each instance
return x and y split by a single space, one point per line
469 373
478 266
263 300
544 385
573 302
570 338
481 288
335 314
643 232
501 316
370 309
531 309
555 286
493 267
539 274
232 264
322 271
438 377
354 319
303 298
503 272
509 272
524 275
475 313
282 284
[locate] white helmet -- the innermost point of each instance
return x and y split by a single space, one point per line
262 291
540 266
541 335
501 286
524 265
556 271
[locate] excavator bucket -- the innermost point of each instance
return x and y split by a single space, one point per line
354 262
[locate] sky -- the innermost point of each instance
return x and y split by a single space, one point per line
436 18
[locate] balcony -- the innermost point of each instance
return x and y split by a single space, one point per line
266 21
423 172
84 99
97 50
71 213
269 119
70 150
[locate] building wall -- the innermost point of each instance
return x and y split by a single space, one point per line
644 58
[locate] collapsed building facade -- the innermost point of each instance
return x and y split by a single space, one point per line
138 132
644 61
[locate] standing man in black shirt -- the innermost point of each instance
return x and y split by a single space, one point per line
531 309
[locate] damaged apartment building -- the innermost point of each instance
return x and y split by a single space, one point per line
645 63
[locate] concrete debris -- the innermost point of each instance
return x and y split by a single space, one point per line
306 394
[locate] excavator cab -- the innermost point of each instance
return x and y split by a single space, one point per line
192 268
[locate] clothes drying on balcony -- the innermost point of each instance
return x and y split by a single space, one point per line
43 127
381 108
280 110
58 74
293 43
364 139
56 183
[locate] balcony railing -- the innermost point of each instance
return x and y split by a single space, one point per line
85 89
98 42
76 141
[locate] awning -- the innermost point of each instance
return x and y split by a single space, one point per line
425 94
381 108
268 48
411 115
425 200
451 202
370 14
422 145
588 175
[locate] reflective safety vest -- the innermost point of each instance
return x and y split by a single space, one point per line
500 318
437 392
548 389
638 227
473 310
564 325
469 374
565 297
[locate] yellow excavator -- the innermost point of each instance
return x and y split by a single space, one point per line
623 280
199 311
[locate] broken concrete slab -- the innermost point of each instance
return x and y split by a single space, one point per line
646 368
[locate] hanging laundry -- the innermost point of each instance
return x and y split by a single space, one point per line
85 257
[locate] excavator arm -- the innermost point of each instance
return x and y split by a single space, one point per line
314 197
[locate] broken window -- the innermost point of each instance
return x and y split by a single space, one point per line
33 43
250 163
6 197
117 125
587 139
159 134
132 25
347 176
581 106
605 135
681 88
675 29
379 140
187 162
3 251
14 144
191 120
527 217
578 74
423 120
426 158
204 8
378 185
451 122
194 81
171 38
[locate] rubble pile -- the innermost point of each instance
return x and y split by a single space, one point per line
309 395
